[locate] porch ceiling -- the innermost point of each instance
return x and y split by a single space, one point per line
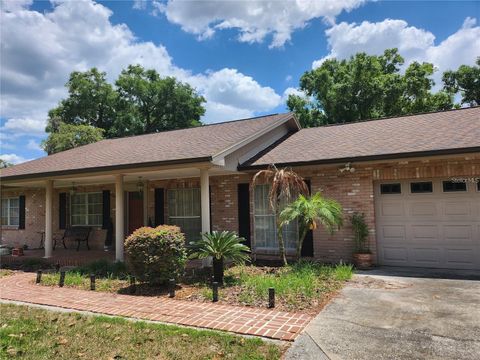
129 176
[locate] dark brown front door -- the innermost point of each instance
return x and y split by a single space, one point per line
135 211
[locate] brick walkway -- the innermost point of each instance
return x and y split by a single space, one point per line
243 320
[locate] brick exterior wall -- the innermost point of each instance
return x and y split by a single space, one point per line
355 191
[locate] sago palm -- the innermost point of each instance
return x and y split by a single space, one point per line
285 185
309 211
224 245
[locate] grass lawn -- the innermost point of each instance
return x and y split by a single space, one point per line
30 333
305 286
6 272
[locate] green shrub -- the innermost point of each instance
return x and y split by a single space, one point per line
156 254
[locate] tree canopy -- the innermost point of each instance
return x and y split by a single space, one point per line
366 87
466 80
140 102
68 136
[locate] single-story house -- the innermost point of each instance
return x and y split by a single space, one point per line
416 179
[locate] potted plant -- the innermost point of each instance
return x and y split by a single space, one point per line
221 246
362 257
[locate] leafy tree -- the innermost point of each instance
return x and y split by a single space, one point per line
149 103
69 136
466 80
91 101
310 210
4 164
365 87
140 102
285 184
220 246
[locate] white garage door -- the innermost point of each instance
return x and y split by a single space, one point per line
428 223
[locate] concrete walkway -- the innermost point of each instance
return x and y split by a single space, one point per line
404 316
243 320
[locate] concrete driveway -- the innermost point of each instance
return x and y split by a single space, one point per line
393 313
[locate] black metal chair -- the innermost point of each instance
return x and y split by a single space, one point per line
75 233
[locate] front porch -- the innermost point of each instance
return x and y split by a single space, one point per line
63 257
113 205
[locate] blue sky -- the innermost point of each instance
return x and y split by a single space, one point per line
244 57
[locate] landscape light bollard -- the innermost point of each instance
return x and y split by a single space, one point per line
57 267
39 277
133 286
215 291
171 288
62 279
92 282
271 298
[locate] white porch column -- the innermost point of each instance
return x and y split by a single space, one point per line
48 218
205 199
119 218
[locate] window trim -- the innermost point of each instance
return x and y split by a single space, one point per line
9 225
85 193
265 249
391 194
422 192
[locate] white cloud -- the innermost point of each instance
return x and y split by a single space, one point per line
140 4
25 126
292 91
39 50
13 158
413 43
34 145
15 5
254 20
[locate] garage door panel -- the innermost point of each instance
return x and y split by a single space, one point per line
393 233
393 254
458 233
422 256
392 209
457 208
424 232
423 209
460 257
438 229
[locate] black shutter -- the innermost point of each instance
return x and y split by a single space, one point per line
62 210
21 215
307 247
159 206
244 212
106 209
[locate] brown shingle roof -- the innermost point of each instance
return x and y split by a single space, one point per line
185 145
431 132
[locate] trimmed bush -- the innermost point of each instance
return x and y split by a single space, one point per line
155 255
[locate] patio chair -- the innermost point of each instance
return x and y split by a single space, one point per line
75 233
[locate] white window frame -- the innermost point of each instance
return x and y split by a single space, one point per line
186 217
85 223
9 222
274 249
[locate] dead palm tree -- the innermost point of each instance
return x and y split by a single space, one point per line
285 185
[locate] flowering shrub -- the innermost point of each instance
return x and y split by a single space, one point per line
156 254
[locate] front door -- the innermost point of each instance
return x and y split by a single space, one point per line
135 211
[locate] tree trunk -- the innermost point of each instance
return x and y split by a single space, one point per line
218 270
281 244
300 242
